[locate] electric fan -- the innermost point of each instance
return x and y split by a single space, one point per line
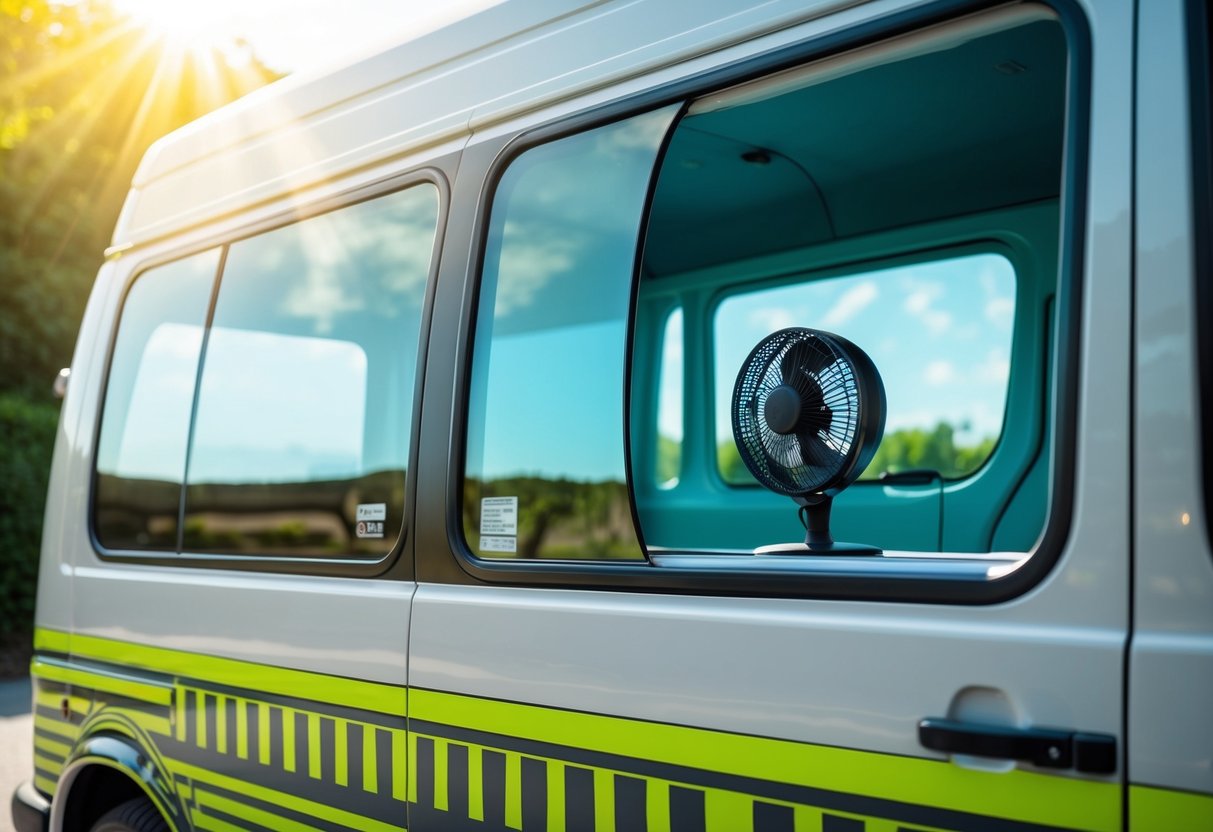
808 415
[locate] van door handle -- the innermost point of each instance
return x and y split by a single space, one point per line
1044 747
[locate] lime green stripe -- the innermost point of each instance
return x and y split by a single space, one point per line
151 724
604 801
370 771
47 764
319 811
250 813
200 718
54 726
201 821
475 783
52 641
263 733
513 790
313 746
288 739
319 687
341 772
179 712
60 749
726 811
555 797
143 691
657 806
1174 811
44 784
242 729
1017 795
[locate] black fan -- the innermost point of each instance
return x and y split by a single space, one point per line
808 415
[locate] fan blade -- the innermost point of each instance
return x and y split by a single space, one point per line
817 454
804 358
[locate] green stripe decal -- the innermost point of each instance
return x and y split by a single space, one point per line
110 683
1015 795
334 690
1174 811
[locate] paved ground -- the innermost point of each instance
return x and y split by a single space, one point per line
16 743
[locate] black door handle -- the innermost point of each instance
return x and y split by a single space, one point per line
1044 747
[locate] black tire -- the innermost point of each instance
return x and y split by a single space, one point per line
136 815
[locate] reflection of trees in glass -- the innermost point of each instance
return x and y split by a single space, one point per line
933 449
560 518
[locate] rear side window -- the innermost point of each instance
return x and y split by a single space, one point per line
301 419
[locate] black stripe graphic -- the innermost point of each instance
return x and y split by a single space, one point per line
833 823
383 761
534 794
232 820
353 745
771 818
492 767
911 814
229 726
686 810
191 716
276 737
295 703
210 706
253 722
328 749
282 811
579 800
630 810
425 771
301 743
457 780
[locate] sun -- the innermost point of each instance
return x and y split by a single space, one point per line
188 23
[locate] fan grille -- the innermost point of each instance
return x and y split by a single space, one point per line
813 456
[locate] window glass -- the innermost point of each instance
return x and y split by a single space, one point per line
145 424
939 333
301 438
669 403
545 472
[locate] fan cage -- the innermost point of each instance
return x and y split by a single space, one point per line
781 462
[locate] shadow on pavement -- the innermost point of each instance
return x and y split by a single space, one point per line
15 697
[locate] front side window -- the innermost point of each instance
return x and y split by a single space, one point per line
290 411
546 473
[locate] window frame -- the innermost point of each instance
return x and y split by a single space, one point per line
922 580
953 249
394 563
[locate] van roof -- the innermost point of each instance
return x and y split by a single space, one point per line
430 90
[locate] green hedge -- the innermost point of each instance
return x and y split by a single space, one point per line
27 439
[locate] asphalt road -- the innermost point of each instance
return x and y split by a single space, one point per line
16 743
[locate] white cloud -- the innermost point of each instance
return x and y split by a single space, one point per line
1000 311
938 373
920 302
852 302
996 369
770 319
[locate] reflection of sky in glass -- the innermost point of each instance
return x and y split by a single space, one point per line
669 403
939 333
151 384
310 364
280 408
548 367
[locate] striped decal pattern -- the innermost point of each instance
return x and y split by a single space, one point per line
263 757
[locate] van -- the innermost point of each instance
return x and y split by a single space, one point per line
407 474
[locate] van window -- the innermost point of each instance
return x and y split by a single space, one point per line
546 474
302 415
146 421
939 332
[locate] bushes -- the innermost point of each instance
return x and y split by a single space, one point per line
27 439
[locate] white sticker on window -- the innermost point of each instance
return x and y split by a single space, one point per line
499 516
498 544
372 511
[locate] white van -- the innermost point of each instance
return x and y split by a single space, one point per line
404 477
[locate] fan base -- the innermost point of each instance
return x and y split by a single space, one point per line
847 549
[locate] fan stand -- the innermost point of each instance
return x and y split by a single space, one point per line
815 514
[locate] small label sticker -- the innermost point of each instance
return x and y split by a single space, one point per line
372 511
499 516
498 544
369 528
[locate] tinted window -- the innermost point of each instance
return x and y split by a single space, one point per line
145 424
301 438
546 474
